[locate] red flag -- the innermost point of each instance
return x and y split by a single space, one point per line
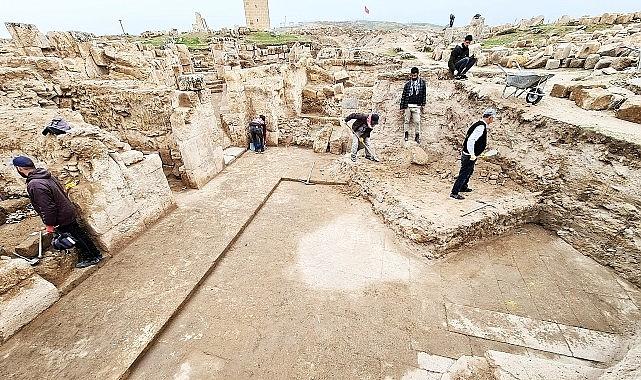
366 10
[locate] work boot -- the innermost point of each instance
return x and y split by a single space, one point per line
88 262
466 190
407 136
458 197
417 139
353 157
372 158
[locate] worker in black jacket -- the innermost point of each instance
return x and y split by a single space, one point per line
460 60
51 202
474 144
361 129
412 103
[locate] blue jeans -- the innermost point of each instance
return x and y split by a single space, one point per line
464 65
257 139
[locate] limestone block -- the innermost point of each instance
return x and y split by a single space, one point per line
341 76
339 141
624 18
538 62
588 48
611 50
594 99
12 272
191 82
13 205
131 157
577 63
339 88
29 246
99 56
27 35
552 64
19 307
560 90
621 63
609 18
55 267
322 138
272 138
603 63
630 110
562 51
419 157
591 61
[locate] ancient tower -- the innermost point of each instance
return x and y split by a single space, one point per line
257 14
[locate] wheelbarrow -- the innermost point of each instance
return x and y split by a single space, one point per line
525 82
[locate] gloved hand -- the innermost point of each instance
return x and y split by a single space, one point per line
473 157
49 229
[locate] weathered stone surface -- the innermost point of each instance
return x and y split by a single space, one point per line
341 76
419 156
339 141
630 110
588 48
610 50
591 61
29 246
577 63
552 64
603 63
322 138
562 51
596 99
560 90
56 267
12 205
24 303
12 272
538 62
629 368
621 63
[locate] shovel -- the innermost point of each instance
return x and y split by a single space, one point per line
310 176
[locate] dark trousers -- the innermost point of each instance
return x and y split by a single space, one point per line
463 65
257 139
86 248
467 168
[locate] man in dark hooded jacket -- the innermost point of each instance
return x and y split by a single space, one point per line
51 202
460 61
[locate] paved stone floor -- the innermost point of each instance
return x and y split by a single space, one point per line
317 287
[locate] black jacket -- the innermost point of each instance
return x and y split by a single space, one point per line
409 98
481 143
459 52
49 199
360 126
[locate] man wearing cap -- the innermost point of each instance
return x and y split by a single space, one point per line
460 60
474 144
361 129
51 202
412 103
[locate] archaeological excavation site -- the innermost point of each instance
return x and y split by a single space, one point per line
243 232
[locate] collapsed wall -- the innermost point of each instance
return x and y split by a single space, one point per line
137 91
119 191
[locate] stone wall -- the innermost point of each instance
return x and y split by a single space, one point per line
119 191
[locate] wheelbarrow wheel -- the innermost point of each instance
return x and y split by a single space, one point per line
534 97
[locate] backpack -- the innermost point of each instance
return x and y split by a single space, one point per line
57 127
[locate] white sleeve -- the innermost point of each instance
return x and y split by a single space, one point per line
476 134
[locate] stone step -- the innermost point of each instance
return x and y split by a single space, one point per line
232 153
556 338
505 366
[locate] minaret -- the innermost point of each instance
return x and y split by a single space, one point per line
257 14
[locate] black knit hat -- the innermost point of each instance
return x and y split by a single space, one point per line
414 70
374 119
23 162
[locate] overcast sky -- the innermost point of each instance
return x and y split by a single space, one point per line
101 16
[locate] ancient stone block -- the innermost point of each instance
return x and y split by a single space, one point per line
341 76
13 205
588 48
630 110
560 91
608 18
562 51
321 140
32 297
610 50
577 63
29 246
603 63
621 63
552 64
538 62
595 99
272 138
12 272
591 61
